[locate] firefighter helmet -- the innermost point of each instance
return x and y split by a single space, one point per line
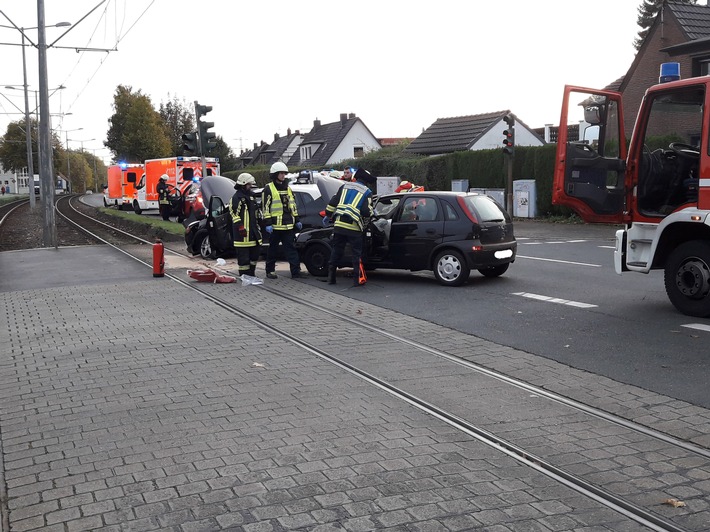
278 167
246 179
164 177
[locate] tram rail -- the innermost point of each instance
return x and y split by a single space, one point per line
398 377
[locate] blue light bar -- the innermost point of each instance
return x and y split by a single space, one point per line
669 72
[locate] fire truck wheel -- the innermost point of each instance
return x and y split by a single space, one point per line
687 278
136 207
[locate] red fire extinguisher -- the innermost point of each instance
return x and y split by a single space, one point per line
158 258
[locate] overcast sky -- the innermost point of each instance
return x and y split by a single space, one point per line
266 66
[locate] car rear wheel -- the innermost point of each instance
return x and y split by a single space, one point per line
450 268
316 260
136 207
494 271
206 248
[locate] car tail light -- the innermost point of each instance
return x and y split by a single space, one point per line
476 248
465 208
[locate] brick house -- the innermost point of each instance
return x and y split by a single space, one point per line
681 34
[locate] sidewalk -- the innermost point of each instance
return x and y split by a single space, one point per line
127 403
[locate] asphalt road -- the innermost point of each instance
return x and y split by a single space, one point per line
562 300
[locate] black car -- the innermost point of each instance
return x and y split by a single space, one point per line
449 233
210 235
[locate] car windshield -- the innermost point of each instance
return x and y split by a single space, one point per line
385 207
486 208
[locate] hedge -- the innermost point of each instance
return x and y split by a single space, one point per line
481 168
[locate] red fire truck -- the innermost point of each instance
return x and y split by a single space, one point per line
658 188
180 171
120 188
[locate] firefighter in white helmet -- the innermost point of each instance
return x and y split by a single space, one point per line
281 221
245 224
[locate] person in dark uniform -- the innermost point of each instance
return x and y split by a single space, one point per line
163 190
245 224
281 221
349 210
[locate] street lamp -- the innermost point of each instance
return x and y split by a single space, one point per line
28 135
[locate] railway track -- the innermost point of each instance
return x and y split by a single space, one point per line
648 477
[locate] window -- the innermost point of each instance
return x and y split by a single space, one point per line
358 152
305 153
701 66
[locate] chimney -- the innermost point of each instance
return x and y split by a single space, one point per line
343 118
351 115
276 137
288 132
316 123
298 132
256 145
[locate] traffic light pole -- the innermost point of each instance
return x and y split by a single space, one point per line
509 199
509 154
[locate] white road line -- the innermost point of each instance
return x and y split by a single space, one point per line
562 261
554 300
607 247
698 326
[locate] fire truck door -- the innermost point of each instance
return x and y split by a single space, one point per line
590 167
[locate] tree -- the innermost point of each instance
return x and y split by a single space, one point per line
13 150
179 118
227 160
137 131
647 14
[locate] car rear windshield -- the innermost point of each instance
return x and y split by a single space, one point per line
486 208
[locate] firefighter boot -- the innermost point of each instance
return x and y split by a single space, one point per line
331 275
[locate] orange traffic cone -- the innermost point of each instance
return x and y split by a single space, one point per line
362 278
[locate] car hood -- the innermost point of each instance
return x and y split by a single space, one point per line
328 186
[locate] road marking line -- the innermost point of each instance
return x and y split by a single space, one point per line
607 247
698 326
557 260
550 299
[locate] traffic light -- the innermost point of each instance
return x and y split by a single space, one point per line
206 142
509 135
189 142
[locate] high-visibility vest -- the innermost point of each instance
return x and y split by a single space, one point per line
347 213
273 206
241 216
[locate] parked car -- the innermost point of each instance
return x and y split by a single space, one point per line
449 233
211 235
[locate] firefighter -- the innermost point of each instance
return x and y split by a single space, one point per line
163 190
348 210
281 221
245 224
408 186
347 174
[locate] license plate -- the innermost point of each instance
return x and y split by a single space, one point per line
503 254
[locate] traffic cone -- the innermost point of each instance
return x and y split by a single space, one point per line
362 278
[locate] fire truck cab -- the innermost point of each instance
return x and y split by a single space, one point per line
181 172
658 188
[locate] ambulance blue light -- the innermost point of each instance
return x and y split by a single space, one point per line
123 166
669 72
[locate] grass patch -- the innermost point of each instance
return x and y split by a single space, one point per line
169 227
9 198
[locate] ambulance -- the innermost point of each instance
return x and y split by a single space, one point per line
120 188
181 172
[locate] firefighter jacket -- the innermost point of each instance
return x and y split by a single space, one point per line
163 190
350 207
245 219
279 206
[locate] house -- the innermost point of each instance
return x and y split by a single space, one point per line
328 144
681 34
283 148
475 132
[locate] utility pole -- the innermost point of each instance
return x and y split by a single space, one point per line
46 172
28 131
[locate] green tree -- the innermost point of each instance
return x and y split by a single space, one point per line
13 149
227 160
179 118
137 131
647 14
